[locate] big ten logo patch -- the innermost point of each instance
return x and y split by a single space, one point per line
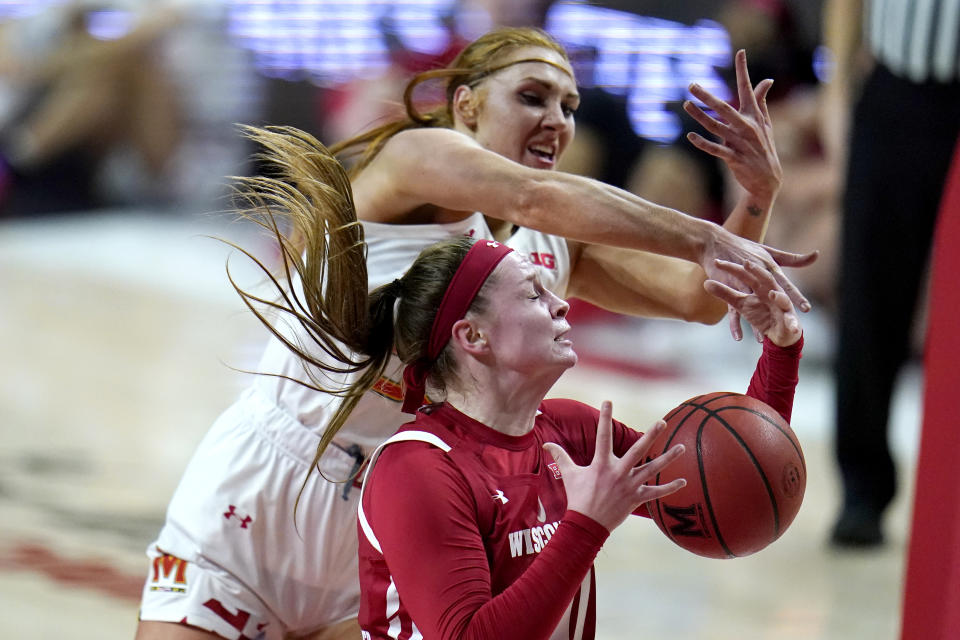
555 468
169 574
545 260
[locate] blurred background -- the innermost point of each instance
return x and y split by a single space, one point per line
122 339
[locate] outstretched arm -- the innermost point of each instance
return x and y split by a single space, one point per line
450 170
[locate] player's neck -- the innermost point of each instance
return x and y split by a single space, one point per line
505 404
500 229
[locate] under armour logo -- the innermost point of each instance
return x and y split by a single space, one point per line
233 512
493 244
499 496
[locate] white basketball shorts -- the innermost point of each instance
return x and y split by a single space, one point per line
230 559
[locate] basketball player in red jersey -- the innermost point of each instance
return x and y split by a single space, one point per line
482 517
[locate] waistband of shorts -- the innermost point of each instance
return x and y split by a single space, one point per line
296 440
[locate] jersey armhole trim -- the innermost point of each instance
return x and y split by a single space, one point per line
403 436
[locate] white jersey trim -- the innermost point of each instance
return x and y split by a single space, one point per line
403 436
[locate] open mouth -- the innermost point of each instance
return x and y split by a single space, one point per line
545 153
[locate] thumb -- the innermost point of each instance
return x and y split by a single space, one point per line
559 456
790 259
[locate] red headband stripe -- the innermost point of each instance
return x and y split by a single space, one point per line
480 261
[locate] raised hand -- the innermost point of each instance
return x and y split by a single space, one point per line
745 143
766 307
745 135
610 488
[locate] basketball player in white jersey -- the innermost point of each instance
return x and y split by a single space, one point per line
231 561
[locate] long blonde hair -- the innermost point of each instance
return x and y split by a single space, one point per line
306 205
481 58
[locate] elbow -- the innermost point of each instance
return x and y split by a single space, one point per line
537 201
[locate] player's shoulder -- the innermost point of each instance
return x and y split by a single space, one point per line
426 139
411 459
421 441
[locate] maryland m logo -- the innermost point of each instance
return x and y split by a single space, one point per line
169 574
687 521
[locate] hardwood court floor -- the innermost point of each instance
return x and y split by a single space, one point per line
117 330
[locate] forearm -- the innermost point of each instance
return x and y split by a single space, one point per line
533 605
841 27
775 379
629 221
644 284
444 581
85 51
587 210
751 216
449 170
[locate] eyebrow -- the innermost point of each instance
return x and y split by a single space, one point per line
534 279
546 84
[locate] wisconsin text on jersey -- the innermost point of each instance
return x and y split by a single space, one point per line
529 541
532 540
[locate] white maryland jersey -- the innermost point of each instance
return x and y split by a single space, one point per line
248 571
391 250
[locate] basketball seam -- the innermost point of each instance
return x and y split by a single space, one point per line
715 413
776 426
706 489
666 446
756 465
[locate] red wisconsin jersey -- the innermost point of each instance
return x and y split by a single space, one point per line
468 515
464 531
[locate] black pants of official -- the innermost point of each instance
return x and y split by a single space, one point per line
903 136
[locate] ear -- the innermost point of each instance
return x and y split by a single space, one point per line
465 105
469 338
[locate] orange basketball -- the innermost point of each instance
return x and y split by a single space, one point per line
745 476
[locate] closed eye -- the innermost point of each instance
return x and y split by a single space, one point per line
531 99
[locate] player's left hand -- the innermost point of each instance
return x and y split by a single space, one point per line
766 307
